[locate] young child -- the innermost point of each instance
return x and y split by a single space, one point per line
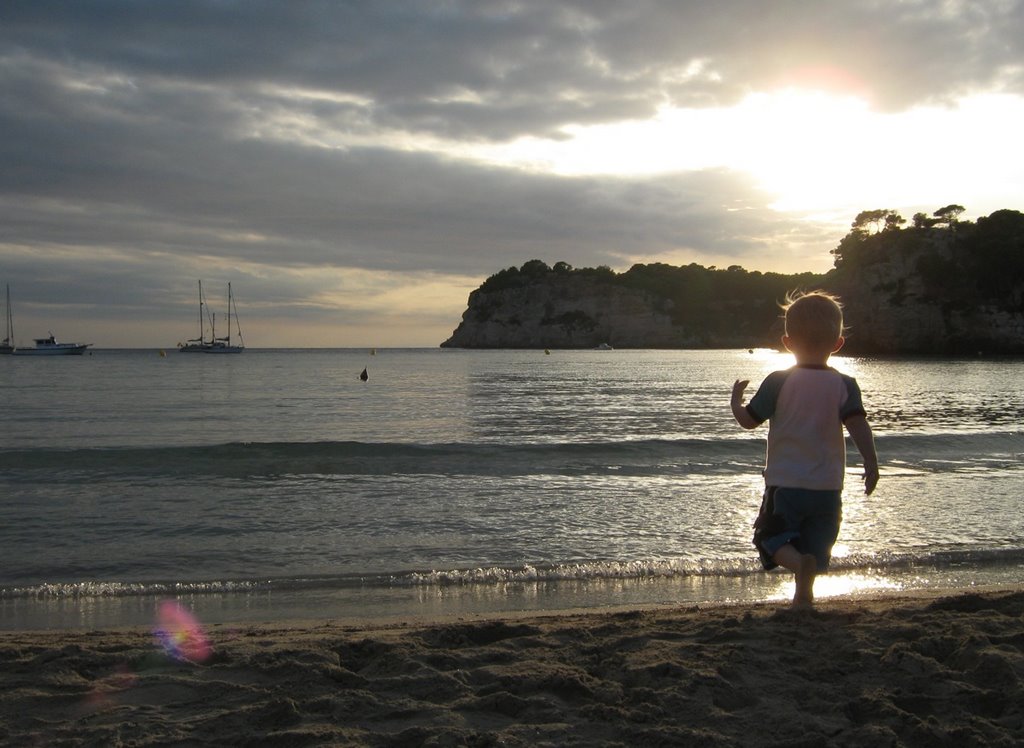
806 407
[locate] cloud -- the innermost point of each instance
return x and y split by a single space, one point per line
186 182
498 69
294 145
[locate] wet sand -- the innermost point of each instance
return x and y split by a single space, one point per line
933 669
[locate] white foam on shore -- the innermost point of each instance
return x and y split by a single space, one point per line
501 597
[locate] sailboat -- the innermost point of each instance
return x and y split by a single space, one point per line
213 344
7 346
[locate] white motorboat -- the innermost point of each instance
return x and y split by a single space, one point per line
50 347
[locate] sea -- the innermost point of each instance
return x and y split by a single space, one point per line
277 485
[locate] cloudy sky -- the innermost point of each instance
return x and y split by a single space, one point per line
356 168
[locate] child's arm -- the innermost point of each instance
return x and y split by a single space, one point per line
743 418
860 431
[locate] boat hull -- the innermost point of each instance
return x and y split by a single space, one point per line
64 349
211 349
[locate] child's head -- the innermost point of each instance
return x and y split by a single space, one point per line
814 321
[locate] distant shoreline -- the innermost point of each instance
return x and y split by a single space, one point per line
541 349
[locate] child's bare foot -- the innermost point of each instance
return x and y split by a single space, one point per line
804 595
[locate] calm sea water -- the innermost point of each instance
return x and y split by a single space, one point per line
276 484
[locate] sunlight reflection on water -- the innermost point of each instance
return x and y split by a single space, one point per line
837 585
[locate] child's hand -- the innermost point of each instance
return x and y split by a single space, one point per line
743 418
870 479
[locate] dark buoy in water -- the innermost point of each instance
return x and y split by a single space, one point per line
364 376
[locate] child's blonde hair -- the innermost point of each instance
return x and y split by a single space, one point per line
814 318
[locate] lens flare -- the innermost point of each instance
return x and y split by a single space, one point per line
180 634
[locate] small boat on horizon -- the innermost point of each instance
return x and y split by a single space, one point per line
50 347
213 344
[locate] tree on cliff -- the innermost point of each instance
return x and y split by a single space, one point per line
949 215
861 247
882 219
516 277
535 268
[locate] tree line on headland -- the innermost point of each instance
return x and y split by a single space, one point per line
936 285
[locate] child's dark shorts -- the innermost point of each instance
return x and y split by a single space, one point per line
806 518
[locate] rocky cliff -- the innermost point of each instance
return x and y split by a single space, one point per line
890 310
650 306
958 290
921 290
566 311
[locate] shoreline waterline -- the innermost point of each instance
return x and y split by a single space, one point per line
437 601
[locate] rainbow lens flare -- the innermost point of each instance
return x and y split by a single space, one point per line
180 634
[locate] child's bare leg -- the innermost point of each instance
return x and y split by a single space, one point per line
805 575
805 567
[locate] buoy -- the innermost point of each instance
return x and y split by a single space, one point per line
364 376
163 353
547 352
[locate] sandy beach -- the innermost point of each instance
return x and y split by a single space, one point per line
938 669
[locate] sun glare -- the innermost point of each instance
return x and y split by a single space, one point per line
842 584
805 147
818 153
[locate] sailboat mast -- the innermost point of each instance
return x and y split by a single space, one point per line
10 320
229 314
233 309
201 336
